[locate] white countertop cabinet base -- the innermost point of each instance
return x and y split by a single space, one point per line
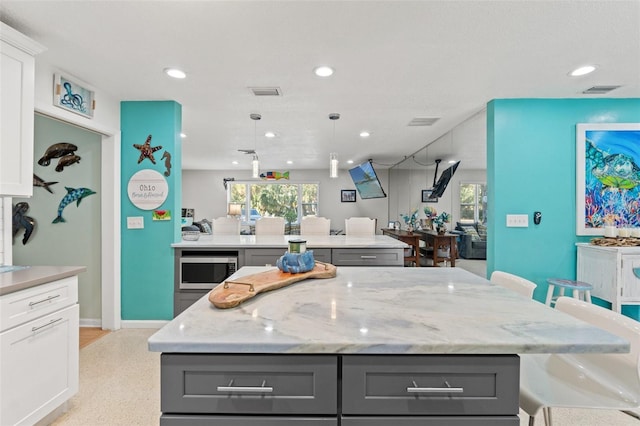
40 355
610 271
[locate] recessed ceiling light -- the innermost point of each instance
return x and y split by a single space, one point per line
270 135
349 161
323 71
175 73
183 135
364 134
582 71
289 162
234 162
452 161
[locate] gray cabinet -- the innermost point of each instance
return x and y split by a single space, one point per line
262 256
367 257
357 390
430 385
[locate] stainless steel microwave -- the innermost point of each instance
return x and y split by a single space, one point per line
198 273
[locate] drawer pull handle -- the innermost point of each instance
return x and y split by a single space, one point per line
368 257
48 299
246 389
448 389
46 325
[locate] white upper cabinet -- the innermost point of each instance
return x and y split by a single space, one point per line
17 85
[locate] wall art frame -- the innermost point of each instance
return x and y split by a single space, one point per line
426 193
607 176
73 95
348 195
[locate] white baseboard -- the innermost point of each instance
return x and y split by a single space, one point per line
91 322
143 324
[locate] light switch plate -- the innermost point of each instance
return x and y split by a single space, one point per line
517 220
135 222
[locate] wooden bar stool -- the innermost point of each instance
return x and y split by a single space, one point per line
580 290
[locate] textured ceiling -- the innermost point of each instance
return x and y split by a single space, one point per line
394 61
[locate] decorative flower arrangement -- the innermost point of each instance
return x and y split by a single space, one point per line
411 219
440 221
430 212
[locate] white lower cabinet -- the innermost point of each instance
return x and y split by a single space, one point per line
40 361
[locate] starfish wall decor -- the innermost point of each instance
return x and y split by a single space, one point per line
146 150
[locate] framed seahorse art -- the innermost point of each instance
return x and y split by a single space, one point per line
73 96
607 177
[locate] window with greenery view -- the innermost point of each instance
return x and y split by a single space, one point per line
473 202
292 201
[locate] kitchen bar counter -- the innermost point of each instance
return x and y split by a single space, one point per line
383 310
35 275
282 241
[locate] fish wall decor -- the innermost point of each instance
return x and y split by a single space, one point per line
37 181
56 151
274 175
67 160
21 220
167 163
146 150
73 194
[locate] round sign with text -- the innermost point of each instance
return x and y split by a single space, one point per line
147 189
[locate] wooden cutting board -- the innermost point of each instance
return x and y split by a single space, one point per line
232 293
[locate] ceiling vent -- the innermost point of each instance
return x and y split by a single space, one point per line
266 91
423 121
599 90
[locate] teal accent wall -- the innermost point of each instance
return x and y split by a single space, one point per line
147 256
531 166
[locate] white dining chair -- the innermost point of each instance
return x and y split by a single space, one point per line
605 381
270 226
315 225
360 226
225 226
513 282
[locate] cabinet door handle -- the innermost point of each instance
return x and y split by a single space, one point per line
448 389
435 390
368 257
48 299
246 389
46 325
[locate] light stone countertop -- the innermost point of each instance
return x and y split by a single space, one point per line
383 310
35 275
282 241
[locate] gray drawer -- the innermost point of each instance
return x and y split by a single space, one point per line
200 420
432 421
206 383
322 255
415 385
367 257
262 257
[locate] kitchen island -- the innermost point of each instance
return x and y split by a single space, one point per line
371 346
39 325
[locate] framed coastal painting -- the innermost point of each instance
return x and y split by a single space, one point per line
73 96
607 176
348 195
426 193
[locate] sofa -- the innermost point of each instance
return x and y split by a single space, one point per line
472 242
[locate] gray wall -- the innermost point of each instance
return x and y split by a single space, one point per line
203 191
78 241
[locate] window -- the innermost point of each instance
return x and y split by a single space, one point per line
473 202
289 200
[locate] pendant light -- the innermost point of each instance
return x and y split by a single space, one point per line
333 157
255 163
